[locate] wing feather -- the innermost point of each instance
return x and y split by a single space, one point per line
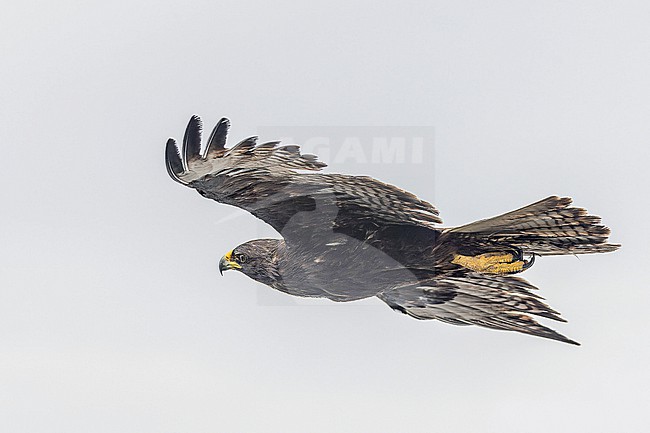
496 302
173 160
217 141
192 141
274 183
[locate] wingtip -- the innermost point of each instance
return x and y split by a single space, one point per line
173 160
217 141
554 335
192 140
567 340
195 124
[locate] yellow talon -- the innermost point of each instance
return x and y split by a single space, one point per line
491 263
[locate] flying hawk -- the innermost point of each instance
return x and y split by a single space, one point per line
351 237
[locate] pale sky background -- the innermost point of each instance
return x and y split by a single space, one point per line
113 317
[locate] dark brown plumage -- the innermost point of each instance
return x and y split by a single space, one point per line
352 237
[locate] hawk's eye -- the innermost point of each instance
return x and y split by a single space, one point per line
241 258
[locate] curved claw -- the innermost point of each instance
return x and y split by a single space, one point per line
528 263
518 254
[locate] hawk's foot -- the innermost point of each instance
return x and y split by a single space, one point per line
498 263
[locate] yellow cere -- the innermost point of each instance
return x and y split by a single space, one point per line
231 263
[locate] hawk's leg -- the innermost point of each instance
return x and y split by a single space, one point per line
499 263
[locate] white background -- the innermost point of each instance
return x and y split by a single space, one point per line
113 317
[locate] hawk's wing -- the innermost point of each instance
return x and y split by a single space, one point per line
469 298
265 180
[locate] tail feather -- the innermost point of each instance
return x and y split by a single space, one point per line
547 227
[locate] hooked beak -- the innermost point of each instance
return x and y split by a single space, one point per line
226 263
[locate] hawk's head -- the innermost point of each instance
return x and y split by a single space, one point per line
257 259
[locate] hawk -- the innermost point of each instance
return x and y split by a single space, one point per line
352 237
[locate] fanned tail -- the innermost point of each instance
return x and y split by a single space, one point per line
548 227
